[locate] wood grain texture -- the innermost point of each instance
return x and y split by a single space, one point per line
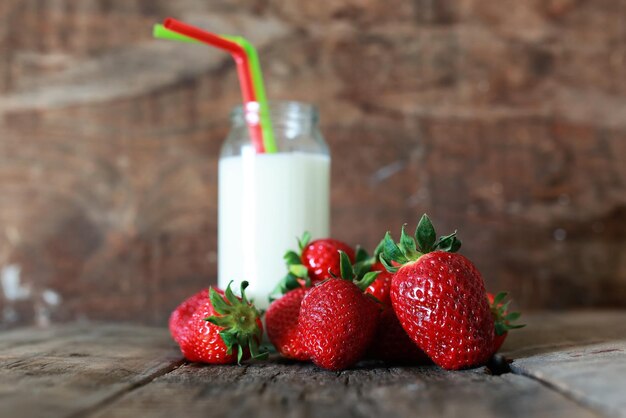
581 355
564 365
292 390
595 374
66 371
505 120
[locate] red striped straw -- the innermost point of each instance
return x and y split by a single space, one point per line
251 105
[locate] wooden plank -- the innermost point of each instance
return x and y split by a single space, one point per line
28 336
582 355
552 331
283 389
594 375
77 367
564 365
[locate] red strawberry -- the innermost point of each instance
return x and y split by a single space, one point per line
207 329
392 344
281 320
321 258
439 298
179 319
382 285
337 320
318 260
502 318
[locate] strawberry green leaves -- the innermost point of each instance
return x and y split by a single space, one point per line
294 261
503 319
291 258
348 272
304 240
287 283
499 298
392 252
426 238
345 267
410 248
425 234
363 262
407 245
240 322
297 272
361 255
448 243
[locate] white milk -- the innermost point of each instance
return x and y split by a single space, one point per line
266 201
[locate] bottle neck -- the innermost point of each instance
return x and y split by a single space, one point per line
294 126
292 118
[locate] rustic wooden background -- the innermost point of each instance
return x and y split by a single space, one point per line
505 119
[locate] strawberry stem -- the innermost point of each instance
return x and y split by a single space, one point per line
348 272
239 319
411 248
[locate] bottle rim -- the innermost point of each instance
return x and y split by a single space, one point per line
289 109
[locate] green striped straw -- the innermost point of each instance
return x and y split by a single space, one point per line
269 142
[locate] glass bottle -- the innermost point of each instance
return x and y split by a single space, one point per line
268 200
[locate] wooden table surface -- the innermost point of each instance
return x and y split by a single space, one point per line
564 365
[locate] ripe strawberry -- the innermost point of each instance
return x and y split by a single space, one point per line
337 320
439 298
318 260
281 320
179 319
207 329
390 342
381 287
321 258
502 318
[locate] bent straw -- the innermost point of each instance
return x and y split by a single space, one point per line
243 70
269 142
160 32
259 87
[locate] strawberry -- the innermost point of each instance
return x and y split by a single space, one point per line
281 320
182 314
502 318
381 287
337 320
322 259
318 260
211 324
439 298
390 342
